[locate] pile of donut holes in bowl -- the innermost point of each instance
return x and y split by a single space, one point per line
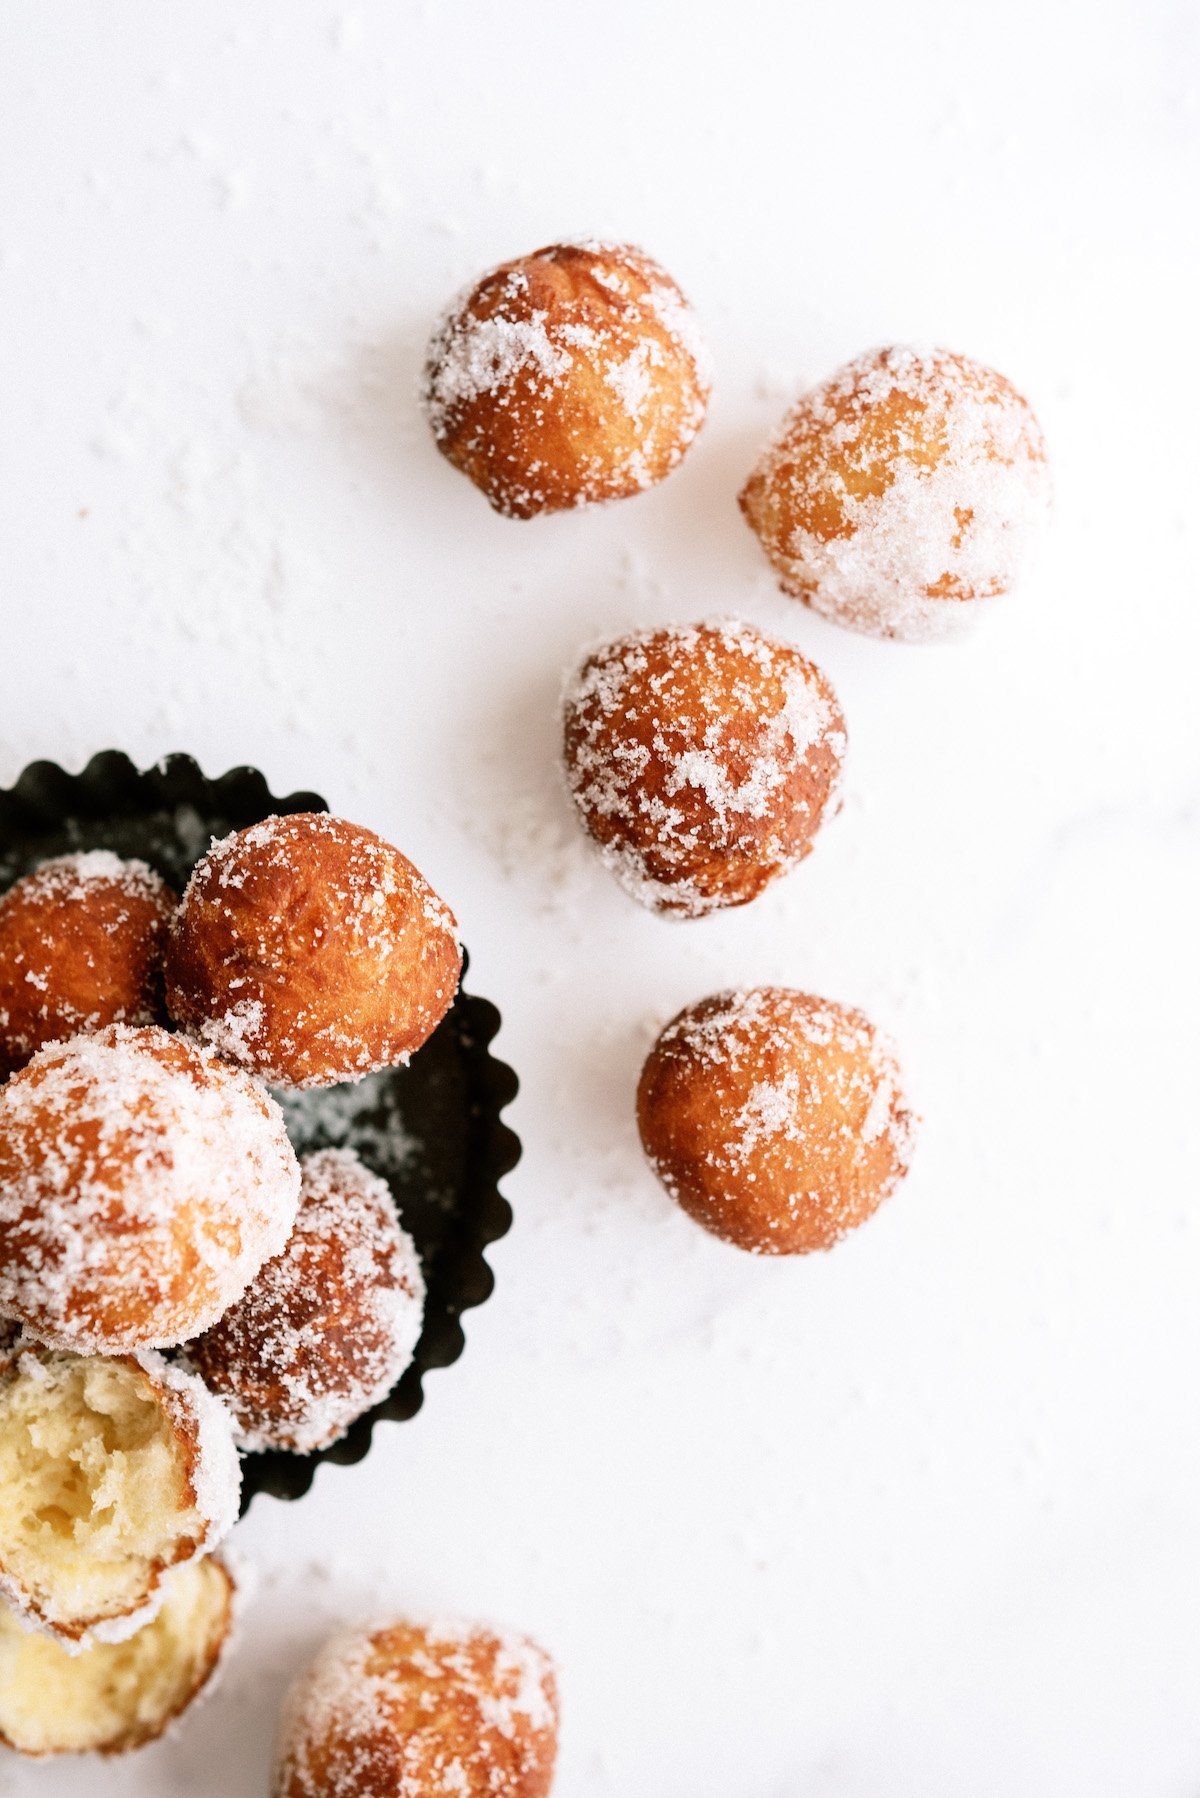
432 1129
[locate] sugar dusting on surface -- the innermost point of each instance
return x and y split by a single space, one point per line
626 322
694 743
328 1326
364 1115
916 534
478 1709
166 1145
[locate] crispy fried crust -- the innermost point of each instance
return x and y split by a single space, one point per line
81 946
143 1183
567 377
775 1119
702 760
440 1709
310 951
908 485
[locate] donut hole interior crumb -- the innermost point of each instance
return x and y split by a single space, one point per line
95 1495
118 1694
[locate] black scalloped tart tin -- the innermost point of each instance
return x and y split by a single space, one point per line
432 1130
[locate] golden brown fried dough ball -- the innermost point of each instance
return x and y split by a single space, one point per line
445 1710
778 1121
113 1470
574 375
311 951
702 760
81 946
115 1696
323 1331
143 1183
909 485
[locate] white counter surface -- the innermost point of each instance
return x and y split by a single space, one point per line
916 1519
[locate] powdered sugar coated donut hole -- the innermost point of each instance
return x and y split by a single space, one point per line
571 376
143 1183
311 952
702 760
81 946
327 1327
391 1708
775 1119
909 486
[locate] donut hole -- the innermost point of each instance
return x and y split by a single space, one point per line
116 1695
702 760
95 1490
909 485
407 1707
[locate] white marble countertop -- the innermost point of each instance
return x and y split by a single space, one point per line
920 1517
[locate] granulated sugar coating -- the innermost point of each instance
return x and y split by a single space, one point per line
403 1710
143 1183
81 946
310 951
113 1470
573 375
777 1120
909 485
327 1327
702 760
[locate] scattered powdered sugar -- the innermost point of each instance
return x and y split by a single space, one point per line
74 876
450 1709
911 482
328 1326
633 379
702 759
236 1031
143 1182
772 1111
363 1115
886 1099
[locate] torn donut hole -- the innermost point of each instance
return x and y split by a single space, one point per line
112 1471
116 1696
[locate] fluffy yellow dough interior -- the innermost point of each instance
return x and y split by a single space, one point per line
93 1484
116 1695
